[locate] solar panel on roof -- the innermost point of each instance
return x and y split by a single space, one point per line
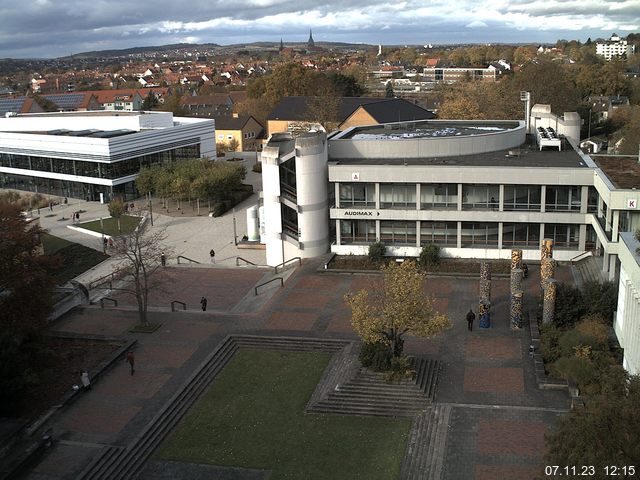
83 133
11 105
111 133
69 100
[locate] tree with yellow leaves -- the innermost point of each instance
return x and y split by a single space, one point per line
397 307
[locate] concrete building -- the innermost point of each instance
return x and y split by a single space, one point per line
458 74
475 188
95 155
627 318
614 47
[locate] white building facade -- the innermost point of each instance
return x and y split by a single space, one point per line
614 47
95 155
627 319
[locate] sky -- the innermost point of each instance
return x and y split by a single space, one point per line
54 28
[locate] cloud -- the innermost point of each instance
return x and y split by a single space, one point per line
56 27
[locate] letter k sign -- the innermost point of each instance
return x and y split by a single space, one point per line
632 203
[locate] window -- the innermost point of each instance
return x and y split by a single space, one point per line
439 195
521 235
440 233
480 197
288 184
397 195
522 197
357 231
398 232
479 234
357 195
592 200
289 221
563 236
563 199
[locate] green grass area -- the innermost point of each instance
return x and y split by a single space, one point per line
252 416
75 258
110 225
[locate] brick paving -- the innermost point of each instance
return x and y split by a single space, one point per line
498 417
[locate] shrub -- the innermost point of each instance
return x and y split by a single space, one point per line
595 326
601 299
549 336
376 356
429 256
377 251
401 368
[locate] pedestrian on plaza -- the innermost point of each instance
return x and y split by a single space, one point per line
212 254
131 358
78 217
203 302
104 244
110 242
525 270
163 259
470 318
50 207
84 378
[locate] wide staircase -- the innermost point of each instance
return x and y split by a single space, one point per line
588 269
425 455
369 393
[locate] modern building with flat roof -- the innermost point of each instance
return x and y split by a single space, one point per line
476 188
95 155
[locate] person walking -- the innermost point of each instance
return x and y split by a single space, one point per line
131 358
470 318
212 254
163 259
84 378
203 302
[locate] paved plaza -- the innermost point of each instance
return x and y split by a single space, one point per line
498 417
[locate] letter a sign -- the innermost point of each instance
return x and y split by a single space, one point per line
355 176
632 203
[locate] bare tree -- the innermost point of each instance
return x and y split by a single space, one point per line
140 252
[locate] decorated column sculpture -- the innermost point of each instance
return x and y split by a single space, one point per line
547 270
549 303
546 249
516 259
485 293
517 274
483 313
516 309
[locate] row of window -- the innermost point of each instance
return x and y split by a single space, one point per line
481 234
485 197
82 168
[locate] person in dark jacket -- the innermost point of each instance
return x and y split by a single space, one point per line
470 318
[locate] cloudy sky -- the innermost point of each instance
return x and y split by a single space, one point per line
52 28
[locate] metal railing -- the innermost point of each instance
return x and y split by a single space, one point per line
173 305
244 260
255 290
284 264
186 258
578 257
115 302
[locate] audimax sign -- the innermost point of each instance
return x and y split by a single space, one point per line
361 213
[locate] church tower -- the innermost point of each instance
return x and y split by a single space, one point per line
310 42
281 46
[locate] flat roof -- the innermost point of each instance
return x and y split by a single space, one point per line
428 129
624 172
525 156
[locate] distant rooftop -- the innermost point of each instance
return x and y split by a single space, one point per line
624 172
425 130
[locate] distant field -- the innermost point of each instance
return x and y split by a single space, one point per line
252 416
109 226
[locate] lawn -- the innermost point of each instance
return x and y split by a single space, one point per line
110 225
75 258
252 416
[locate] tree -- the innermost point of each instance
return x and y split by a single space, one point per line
396 307
388 90
116 210
25 303
140 252
606 432
150 102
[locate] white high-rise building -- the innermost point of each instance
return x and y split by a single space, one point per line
614 47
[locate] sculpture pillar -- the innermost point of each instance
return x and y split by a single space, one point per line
516 309
549 304
483 310
485 294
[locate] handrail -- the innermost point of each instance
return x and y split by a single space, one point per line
585 254
115 302
255 290
283 264
244 260
186 258
173 305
